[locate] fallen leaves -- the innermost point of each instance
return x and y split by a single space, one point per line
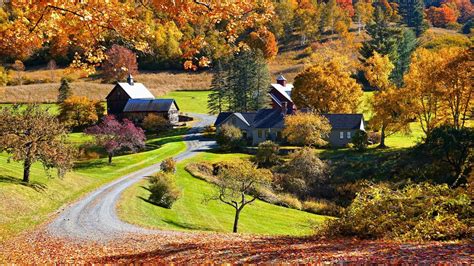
194 247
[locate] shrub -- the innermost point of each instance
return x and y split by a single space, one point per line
164 191
201 170
209 130
168 165
306 129
79 112
289 201
229 137
155 123
267 154
360 140
415 212
322 207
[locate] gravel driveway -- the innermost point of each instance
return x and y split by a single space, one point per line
94 217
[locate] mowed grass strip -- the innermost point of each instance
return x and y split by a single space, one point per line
23 206
190 101
192 212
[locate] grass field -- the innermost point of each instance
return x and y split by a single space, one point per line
191 213
190 101
23 206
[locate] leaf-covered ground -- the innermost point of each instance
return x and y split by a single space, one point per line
180 247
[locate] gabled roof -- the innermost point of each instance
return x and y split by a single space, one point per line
285 91
246 117
269 118
281 77
135 91
145 105
345 121
222 117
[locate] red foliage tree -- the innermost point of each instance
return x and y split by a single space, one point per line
465 8
441 16
119 63
114 136
347 6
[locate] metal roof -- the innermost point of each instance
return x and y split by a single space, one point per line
345 121
145 105
135 91
284 90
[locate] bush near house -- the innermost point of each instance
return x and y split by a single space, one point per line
168 165
229 137
155 123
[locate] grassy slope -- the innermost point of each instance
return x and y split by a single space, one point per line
23 206
190 101
191 213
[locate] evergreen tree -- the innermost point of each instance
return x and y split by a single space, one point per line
406 47
412 13
217 100
248 82
64 90
384 39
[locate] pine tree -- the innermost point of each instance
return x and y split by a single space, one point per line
217 100
406 47
412 13
248 82
64 90
383 38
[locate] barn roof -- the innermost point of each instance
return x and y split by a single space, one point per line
152 105
285 91
345 121
135 91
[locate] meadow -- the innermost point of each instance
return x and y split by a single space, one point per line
23 206
193 212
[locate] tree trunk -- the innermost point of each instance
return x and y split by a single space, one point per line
236 221
382 138
110 158
26 170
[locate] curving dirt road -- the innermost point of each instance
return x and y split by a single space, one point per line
94 217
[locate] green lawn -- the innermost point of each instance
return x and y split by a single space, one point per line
190 101
191 213
23 206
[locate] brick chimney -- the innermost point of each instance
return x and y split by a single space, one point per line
130 79
281 80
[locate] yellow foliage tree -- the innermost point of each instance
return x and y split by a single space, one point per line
391 113
422 87
77 111
306 129
327 87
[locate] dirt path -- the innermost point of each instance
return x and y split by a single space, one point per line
94 217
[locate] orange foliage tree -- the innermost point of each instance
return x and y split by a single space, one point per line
441 16
264 40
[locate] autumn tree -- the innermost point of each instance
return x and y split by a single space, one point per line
441 16
457 86
115 136
285 12
64 90
229 137
119 63
307 129
332 13
265 41
267 154
422 88
156 123
238 184
389 107
364 11
307 18
327 87
79 112
31 134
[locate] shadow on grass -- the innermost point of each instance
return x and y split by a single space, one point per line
96 163
37 186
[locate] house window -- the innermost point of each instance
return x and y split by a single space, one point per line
259 133
348 134
341 135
